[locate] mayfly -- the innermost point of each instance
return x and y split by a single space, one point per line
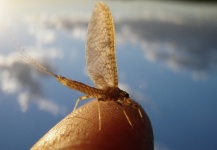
100 61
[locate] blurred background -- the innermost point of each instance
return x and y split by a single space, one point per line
166 55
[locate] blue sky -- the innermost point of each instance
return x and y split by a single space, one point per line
167 61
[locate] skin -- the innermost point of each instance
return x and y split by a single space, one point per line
80 129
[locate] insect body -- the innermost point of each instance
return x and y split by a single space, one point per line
100 61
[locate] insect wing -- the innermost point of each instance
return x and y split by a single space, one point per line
100 48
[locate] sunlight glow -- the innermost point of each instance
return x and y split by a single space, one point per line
2 11
4 18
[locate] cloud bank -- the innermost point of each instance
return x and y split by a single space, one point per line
20 78
183 42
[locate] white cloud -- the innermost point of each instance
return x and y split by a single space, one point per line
173 44
51 107
8 83
17 76
200 76
24 100
36 28
43 27
79 33
42 53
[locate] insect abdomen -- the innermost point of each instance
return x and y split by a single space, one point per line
81 87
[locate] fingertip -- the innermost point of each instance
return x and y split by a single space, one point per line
80 130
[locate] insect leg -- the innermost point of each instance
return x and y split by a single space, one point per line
119 102
79 99
128 119
129 103
100 121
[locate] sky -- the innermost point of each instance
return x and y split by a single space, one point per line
166 57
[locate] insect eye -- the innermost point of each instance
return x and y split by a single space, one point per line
125 94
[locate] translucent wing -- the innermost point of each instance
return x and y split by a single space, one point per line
100 48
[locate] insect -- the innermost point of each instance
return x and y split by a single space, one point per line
100 61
